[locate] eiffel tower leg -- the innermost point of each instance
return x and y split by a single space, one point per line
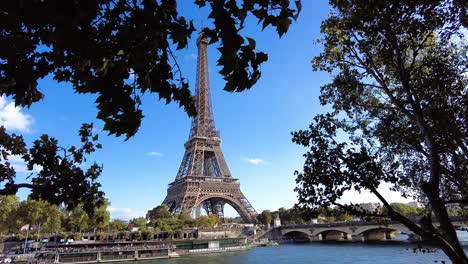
220 208
214 206
188 204
207 206
245 209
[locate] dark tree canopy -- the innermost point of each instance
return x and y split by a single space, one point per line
399 98
159 212
117 50
57 174
97 45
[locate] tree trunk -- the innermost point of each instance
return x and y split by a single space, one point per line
455 253
451 246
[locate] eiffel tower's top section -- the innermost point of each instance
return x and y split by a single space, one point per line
203 124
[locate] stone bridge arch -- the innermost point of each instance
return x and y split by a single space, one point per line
366 229
333 234
318 231
298 235
297 230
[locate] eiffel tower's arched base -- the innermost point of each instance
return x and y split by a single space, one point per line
210 193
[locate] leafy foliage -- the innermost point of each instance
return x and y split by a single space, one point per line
48 218
8 206
118 225
399 112
291 216
120 50
39 214
265 217
406 210
138 222
162 219
57 174
159 212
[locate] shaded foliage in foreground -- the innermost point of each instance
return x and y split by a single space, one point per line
399 115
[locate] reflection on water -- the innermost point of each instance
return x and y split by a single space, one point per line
462 235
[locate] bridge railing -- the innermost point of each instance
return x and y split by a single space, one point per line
361 223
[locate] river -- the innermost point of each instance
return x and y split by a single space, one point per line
317 253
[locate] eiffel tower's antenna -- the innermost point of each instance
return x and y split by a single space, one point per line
203 124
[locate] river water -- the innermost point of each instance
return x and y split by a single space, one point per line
317 253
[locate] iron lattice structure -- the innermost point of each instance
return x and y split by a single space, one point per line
204 179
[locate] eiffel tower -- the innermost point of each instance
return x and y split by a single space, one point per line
204 180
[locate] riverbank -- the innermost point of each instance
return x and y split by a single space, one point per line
114 251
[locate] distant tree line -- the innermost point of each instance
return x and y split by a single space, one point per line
40 217
295 216
329 214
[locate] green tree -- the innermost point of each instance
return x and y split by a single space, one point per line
8 207
126 235
179 234
202 221
118 225
407 210
342 215
136 235
265 217
186 219
138 222
117 51
61 178
77 236
101 236
100 217
291 216
53 223
147 235
170 234
159 212
213 220
79 220
399 115
32 212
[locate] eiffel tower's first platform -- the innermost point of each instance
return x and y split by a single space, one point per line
204 180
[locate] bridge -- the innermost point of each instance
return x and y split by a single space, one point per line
354 231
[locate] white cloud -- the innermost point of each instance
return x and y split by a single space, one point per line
154 154
368 197
12 118
255 161
15 159
19 165
125 213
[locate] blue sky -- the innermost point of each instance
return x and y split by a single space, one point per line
255 125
